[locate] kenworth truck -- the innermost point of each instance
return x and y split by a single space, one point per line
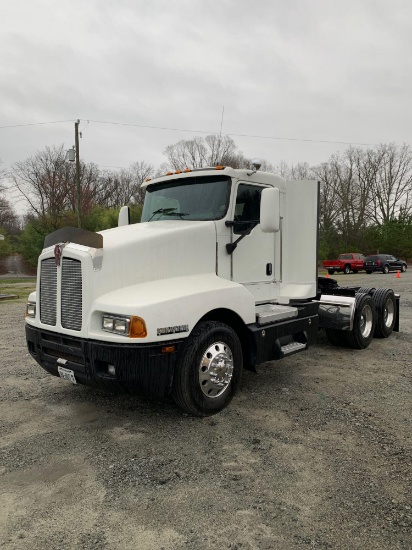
220 275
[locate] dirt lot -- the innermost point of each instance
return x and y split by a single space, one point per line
313 452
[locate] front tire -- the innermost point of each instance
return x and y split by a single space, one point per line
403 268
364 321
346 269
208 370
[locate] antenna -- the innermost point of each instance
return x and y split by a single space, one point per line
221 123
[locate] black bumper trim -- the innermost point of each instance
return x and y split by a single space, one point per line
140 368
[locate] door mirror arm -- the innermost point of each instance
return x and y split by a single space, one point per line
230 247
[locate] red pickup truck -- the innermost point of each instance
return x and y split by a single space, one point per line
346 263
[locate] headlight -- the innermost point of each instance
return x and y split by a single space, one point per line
134 327
31 309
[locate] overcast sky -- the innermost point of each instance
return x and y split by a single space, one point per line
338 71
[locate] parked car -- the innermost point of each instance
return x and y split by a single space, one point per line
384 263
346 262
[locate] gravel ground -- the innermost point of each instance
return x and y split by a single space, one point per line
313 452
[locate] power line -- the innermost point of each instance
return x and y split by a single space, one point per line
228 134
192 131
36 123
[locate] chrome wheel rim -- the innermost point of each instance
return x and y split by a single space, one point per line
216 370
388 313
366 321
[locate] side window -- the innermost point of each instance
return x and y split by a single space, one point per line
247 208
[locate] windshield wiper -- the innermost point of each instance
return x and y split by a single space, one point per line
161 211
168 211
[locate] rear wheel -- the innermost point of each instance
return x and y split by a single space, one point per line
208 369
346 269
363 322
366 290
385 304
385 269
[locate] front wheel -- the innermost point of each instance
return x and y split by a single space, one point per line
403 268
208 370
346 269
363 322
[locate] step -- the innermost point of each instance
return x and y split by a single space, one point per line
270 313
293 347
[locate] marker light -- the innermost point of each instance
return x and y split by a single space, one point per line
31 309
178 172
137 328
187 170
148 179
219 167
169 173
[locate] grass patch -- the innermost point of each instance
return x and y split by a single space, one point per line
20 287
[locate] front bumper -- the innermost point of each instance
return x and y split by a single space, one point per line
140 368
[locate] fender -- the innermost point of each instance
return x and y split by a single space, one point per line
172 305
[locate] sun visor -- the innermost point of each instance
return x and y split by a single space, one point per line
74 235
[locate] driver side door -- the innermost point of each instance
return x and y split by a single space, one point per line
253 259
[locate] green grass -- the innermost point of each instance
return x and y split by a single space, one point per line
20 287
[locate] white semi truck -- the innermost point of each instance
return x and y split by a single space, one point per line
220 275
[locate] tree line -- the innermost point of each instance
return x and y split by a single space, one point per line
365 194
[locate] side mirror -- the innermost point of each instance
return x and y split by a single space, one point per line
270 210
124 216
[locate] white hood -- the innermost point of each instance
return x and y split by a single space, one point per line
146 252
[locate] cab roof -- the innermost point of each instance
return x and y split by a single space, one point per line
237 173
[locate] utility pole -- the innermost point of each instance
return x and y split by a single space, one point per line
76 135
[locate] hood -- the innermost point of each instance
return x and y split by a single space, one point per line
151 251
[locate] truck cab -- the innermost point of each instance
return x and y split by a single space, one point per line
220 275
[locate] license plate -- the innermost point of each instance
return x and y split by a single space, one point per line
67 374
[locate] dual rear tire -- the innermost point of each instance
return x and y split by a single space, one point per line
364 320
375 315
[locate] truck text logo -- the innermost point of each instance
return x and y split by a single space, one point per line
172 330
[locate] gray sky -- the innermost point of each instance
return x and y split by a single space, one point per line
306 70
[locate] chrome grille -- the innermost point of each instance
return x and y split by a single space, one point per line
71 294
48 292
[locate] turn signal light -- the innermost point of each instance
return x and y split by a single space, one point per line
168 349
219 167
137 328
148 179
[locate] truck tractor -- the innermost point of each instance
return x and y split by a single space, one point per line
219 275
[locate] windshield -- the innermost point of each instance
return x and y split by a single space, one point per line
197 198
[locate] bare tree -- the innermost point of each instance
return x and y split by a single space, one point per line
43 181
123 187
392 189
199 152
